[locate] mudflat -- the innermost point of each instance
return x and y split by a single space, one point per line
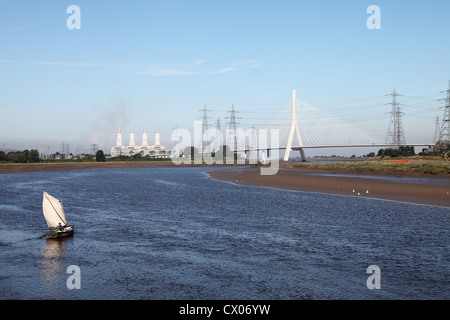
413 188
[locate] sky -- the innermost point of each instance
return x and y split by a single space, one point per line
155 64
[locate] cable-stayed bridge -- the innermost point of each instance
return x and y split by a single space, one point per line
309 128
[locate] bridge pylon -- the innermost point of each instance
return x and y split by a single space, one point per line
294 128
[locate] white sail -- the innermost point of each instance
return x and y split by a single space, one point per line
53 211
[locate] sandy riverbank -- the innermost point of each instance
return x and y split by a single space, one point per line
407 188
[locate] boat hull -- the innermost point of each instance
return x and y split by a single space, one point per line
66 232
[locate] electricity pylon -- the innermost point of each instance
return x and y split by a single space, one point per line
395 135
232 127
437 131
445 127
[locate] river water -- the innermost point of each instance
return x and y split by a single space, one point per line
174 233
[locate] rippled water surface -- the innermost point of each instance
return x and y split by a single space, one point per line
173 233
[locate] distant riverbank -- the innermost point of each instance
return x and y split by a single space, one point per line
67 166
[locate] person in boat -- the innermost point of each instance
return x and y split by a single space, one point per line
59 227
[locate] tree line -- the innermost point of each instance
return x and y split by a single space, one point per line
397 152
25 156
442 147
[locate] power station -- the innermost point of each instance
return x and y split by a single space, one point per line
155 151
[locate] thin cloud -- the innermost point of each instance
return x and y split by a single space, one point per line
149 70
199 61
166 72
189 69
71 64
225 70
239 66
181 70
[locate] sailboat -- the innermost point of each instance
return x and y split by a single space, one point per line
54 215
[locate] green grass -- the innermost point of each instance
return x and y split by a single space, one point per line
432 167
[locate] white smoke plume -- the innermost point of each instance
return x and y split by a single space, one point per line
112 116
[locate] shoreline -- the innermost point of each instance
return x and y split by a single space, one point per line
295 167
62 166
411 188
426 189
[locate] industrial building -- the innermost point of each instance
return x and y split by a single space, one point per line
155 151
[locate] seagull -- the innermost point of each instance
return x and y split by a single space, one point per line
353 190
358 193
367 191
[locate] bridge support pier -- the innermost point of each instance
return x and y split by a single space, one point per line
302 155
263 157
294 129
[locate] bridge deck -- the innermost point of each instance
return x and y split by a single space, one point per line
337 146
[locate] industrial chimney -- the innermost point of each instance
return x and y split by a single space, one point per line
132 144
157 143
119 138
144 138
